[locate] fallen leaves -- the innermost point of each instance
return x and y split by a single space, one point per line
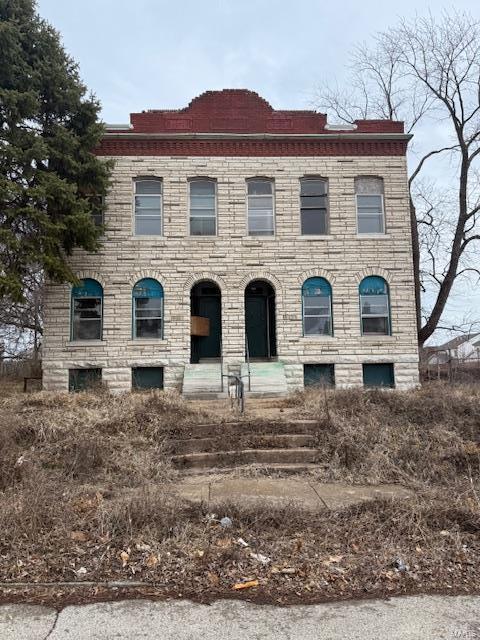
125 557
245 585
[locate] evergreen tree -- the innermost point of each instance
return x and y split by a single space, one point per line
50 180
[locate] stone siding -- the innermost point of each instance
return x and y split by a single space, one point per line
232 259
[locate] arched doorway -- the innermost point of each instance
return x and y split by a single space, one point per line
260 322
206 323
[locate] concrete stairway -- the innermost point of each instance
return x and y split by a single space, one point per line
266 378
269 445
202 380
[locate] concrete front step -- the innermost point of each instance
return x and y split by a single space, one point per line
243 442
246 456
202 379
265 378
235 429
272 468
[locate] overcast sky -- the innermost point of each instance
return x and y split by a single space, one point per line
144 54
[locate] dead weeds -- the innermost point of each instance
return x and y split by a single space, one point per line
87 492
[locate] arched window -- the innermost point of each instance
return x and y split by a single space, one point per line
87 310
148 309
317 307
374 306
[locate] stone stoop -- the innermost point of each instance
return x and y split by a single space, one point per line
290 443
202 380
266 378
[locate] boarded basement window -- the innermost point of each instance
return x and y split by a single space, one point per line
83 379
147 377
319 375
378 375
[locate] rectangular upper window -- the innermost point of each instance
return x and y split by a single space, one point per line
260 207
97 204
148 207
314 206
203 208
370 210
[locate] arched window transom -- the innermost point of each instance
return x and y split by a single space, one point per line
317 307
148 309
87 310
374 306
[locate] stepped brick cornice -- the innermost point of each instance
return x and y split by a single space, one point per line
238 122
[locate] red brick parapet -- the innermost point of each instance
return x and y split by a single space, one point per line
240 122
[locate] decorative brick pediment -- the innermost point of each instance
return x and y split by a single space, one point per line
239 122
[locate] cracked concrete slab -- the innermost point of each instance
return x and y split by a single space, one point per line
284 490
411 618
26 622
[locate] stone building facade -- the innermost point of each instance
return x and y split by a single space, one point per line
228 140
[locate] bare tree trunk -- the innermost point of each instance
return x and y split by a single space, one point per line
416 266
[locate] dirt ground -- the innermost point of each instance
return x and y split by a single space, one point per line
88 496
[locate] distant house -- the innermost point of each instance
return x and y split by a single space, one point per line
461 349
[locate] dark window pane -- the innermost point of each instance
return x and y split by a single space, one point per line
202 188
378 375
148 328
97 217
87 329
260 225
260 187
314 222
375 326
313 187
314 202
82 379
147 378
148 186
148 304
148 226
370 223
322 375
262 203
147 202
375 305
202 226
317 326
87 307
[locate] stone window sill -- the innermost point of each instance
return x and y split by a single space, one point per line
259 239
374 236
325 236
85 343
145 341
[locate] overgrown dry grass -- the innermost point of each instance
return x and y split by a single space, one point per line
87 493
429 435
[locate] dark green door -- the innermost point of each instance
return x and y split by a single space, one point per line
256 326
209 346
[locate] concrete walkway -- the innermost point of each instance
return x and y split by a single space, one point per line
414 618
311 494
